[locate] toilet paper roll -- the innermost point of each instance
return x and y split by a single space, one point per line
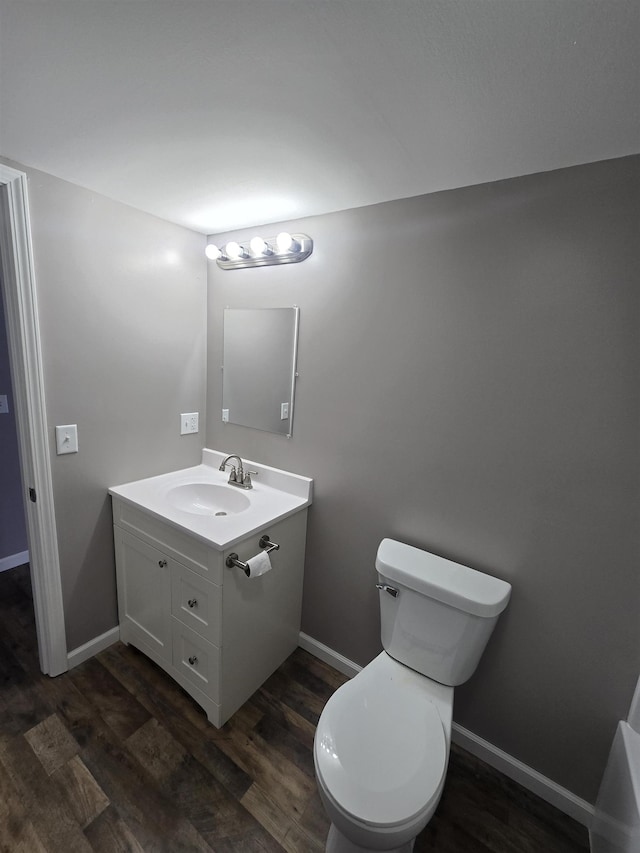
259 564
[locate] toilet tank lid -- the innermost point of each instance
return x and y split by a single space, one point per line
453 584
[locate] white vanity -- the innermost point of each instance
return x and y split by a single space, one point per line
184 598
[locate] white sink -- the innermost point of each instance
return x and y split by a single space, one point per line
200 500
208 499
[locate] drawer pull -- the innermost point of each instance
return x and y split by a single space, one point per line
162 563
192 602
193 660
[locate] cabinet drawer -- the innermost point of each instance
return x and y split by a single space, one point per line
197 660
197 602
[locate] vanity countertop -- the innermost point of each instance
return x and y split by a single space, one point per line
200 501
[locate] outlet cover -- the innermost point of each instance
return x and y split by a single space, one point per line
189 422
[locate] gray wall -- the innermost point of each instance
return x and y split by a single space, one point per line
469 374
122 299
13 532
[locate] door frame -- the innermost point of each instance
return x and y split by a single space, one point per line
25 356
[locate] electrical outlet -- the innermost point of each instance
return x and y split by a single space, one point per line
189 422
284 411
225 416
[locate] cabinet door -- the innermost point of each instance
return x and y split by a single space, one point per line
144 592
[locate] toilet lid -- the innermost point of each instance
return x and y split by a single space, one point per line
381 753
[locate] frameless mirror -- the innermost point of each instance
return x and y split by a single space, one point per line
259 367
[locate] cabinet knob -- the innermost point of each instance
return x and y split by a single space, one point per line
193 660
192 602
162 563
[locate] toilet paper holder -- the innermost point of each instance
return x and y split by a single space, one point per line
264 542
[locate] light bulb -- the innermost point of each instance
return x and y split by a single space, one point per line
212 252
234 251
259 247
286 243
283 241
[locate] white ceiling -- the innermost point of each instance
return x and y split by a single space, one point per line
228 113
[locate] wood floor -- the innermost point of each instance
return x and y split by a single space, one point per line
113 756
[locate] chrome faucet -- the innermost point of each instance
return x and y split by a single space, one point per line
238 476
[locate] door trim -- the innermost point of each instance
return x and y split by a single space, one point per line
25 354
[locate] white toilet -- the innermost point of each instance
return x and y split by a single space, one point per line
382 743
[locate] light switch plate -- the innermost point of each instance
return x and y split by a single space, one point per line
67 439
189 422
4 404
225 416
284 411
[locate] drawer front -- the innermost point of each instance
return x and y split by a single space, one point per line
197 603
197 660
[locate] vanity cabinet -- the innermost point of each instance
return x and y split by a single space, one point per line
217 632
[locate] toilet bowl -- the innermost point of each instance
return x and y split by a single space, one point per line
615 827
381 746
381 752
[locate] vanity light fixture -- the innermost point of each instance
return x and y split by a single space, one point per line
262 251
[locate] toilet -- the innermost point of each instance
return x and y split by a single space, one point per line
381 746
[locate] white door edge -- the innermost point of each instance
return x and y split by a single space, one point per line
23 332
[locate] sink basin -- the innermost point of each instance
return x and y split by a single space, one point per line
200 501
208 499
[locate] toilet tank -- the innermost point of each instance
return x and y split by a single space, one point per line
443 614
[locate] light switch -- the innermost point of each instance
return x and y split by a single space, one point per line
225 416
67 439
284 411
4 404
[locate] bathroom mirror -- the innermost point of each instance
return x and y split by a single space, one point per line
260 348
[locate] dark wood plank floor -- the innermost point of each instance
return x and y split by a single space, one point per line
113 756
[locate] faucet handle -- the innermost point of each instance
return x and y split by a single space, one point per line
247 479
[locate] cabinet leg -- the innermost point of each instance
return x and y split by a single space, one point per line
214 718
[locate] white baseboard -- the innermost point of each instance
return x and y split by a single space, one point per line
93 647
334 659
540 785
511 767
13 561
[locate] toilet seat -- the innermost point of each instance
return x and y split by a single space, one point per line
380 747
